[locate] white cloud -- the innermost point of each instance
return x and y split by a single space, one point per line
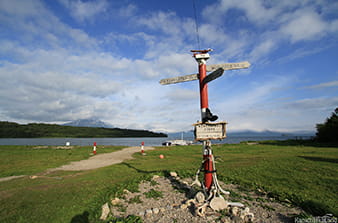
128 11
53 72
306 25
178 95
85 10
324 85
309 104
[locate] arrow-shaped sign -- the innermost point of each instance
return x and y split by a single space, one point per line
217 68
174 80
212 76
229 66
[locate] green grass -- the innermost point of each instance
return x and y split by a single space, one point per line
23 160
153 194
305 175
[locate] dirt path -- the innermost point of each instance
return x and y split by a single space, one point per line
101 160
94 162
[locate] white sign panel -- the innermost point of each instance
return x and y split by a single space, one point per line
207 131
179 79
229 66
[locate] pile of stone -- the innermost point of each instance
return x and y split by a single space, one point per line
196 209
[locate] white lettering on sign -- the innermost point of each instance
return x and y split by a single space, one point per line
179 79
229 66
207 131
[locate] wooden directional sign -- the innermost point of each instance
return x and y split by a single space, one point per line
229 66
208 131
212 76
217 68
179 79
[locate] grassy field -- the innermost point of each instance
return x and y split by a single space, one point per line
305 175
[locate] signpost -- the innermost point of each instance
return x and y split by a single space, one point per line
180 79
205 130
208 131
229 66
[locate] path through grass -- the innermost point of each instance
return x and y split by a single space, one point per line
305 175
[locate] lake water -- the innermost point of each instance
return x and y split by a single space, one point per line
153 141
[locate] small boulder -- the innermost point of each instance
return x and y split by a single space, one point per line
173 174
234 211
148 213
105 211
156 210
218 203
115 201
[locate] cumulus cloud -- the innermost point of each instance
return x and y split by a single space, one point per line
85 10
305 25
324 85
281 21
54 72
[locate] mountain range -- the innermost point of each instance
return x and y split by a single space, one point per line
247 133
90 122
94 122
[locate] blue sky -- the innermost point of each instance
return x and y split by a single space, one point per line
64 60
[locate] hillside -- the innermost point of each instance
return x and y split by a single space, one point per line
39 130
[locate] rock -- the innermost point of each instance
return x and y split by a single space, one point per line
236 219
200 198
173 174
218 203
148 213
236 204
225 220
246 210
105 211
184 206
115 201
234 211
185 183
141 214
156 177
249 217
156 210
162 210
125 191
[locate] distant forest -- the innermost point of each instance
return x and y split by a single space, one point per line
39 130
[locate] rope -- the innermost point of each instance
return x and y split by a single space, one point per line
196 23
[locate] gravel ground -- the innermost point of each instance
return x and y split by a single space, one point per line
171 206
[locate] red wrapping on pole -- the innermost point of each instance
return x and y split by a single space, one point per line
203 87
208 169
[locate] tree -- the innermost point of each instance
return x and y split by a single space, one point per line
328 131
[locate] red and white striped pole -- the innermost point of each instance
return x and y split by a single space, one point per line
94 148
142 148
201 57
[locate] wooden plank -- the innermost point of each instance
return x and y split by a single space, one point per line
179 79
229 66
208 131
212 76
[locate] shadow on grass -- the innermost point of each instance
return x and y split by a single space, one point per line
139 170
319 159
81 218
299 142
315 208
